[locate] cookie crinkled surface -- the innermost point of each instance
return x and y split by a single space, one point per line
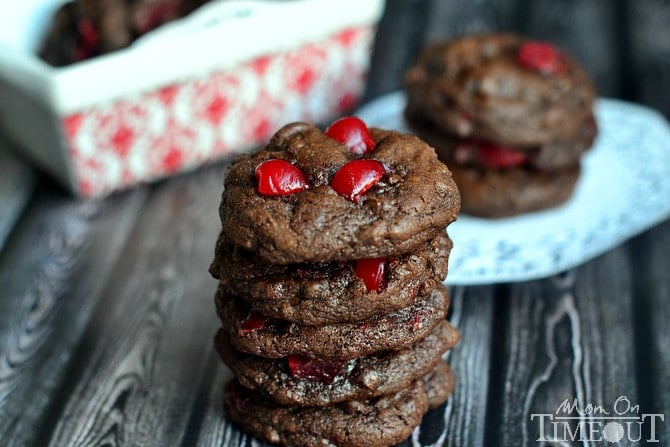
413 202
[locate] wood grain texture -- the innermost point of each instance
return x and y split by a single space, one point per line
51 272
459 421
568 337
142 356
465 412
451 19
17 182
651 311
399 37
215 430
648 44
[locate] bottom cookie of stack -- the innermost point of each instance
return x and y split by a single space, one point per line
382 421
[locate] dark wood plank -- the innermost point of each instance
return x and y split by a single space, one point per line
17 183
144 353
651 272
52 271
450 19
465 412
648 58
399 37
215 430
568 337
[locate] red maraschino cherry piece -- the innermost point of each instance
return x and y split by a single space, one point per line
254 321
418 320
373 273
304 367
488 154
356 177
278 177
541 57
353 133
498 156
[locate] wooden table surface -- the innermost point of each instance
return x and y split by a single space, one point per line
107 314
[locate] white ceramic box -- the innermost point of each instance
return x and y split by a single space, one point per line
217 82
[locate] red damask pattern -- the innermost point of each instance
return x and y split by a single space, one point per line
178 127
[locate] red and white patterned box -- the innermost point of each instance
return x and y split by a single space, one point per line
200 89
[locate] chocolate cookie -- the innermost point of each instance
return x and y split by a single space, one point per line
82 29
495 87
410 201
276 338
329 292
495 194
562 153
308 382
384 421
439 384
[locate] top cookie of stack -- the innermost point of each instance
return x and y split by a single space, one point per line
330 262
341 204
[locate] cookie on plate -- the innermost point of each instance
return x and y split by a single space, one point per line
511 116
383 421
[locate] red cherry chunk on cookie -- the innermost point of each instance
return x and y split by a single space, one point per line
541 57
498 156
304 367
278 177
356 177
488 154
373 273
353 133
255 320
419 320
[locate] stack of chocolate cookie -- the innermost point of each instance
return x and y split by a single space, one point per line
511 116
330 266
